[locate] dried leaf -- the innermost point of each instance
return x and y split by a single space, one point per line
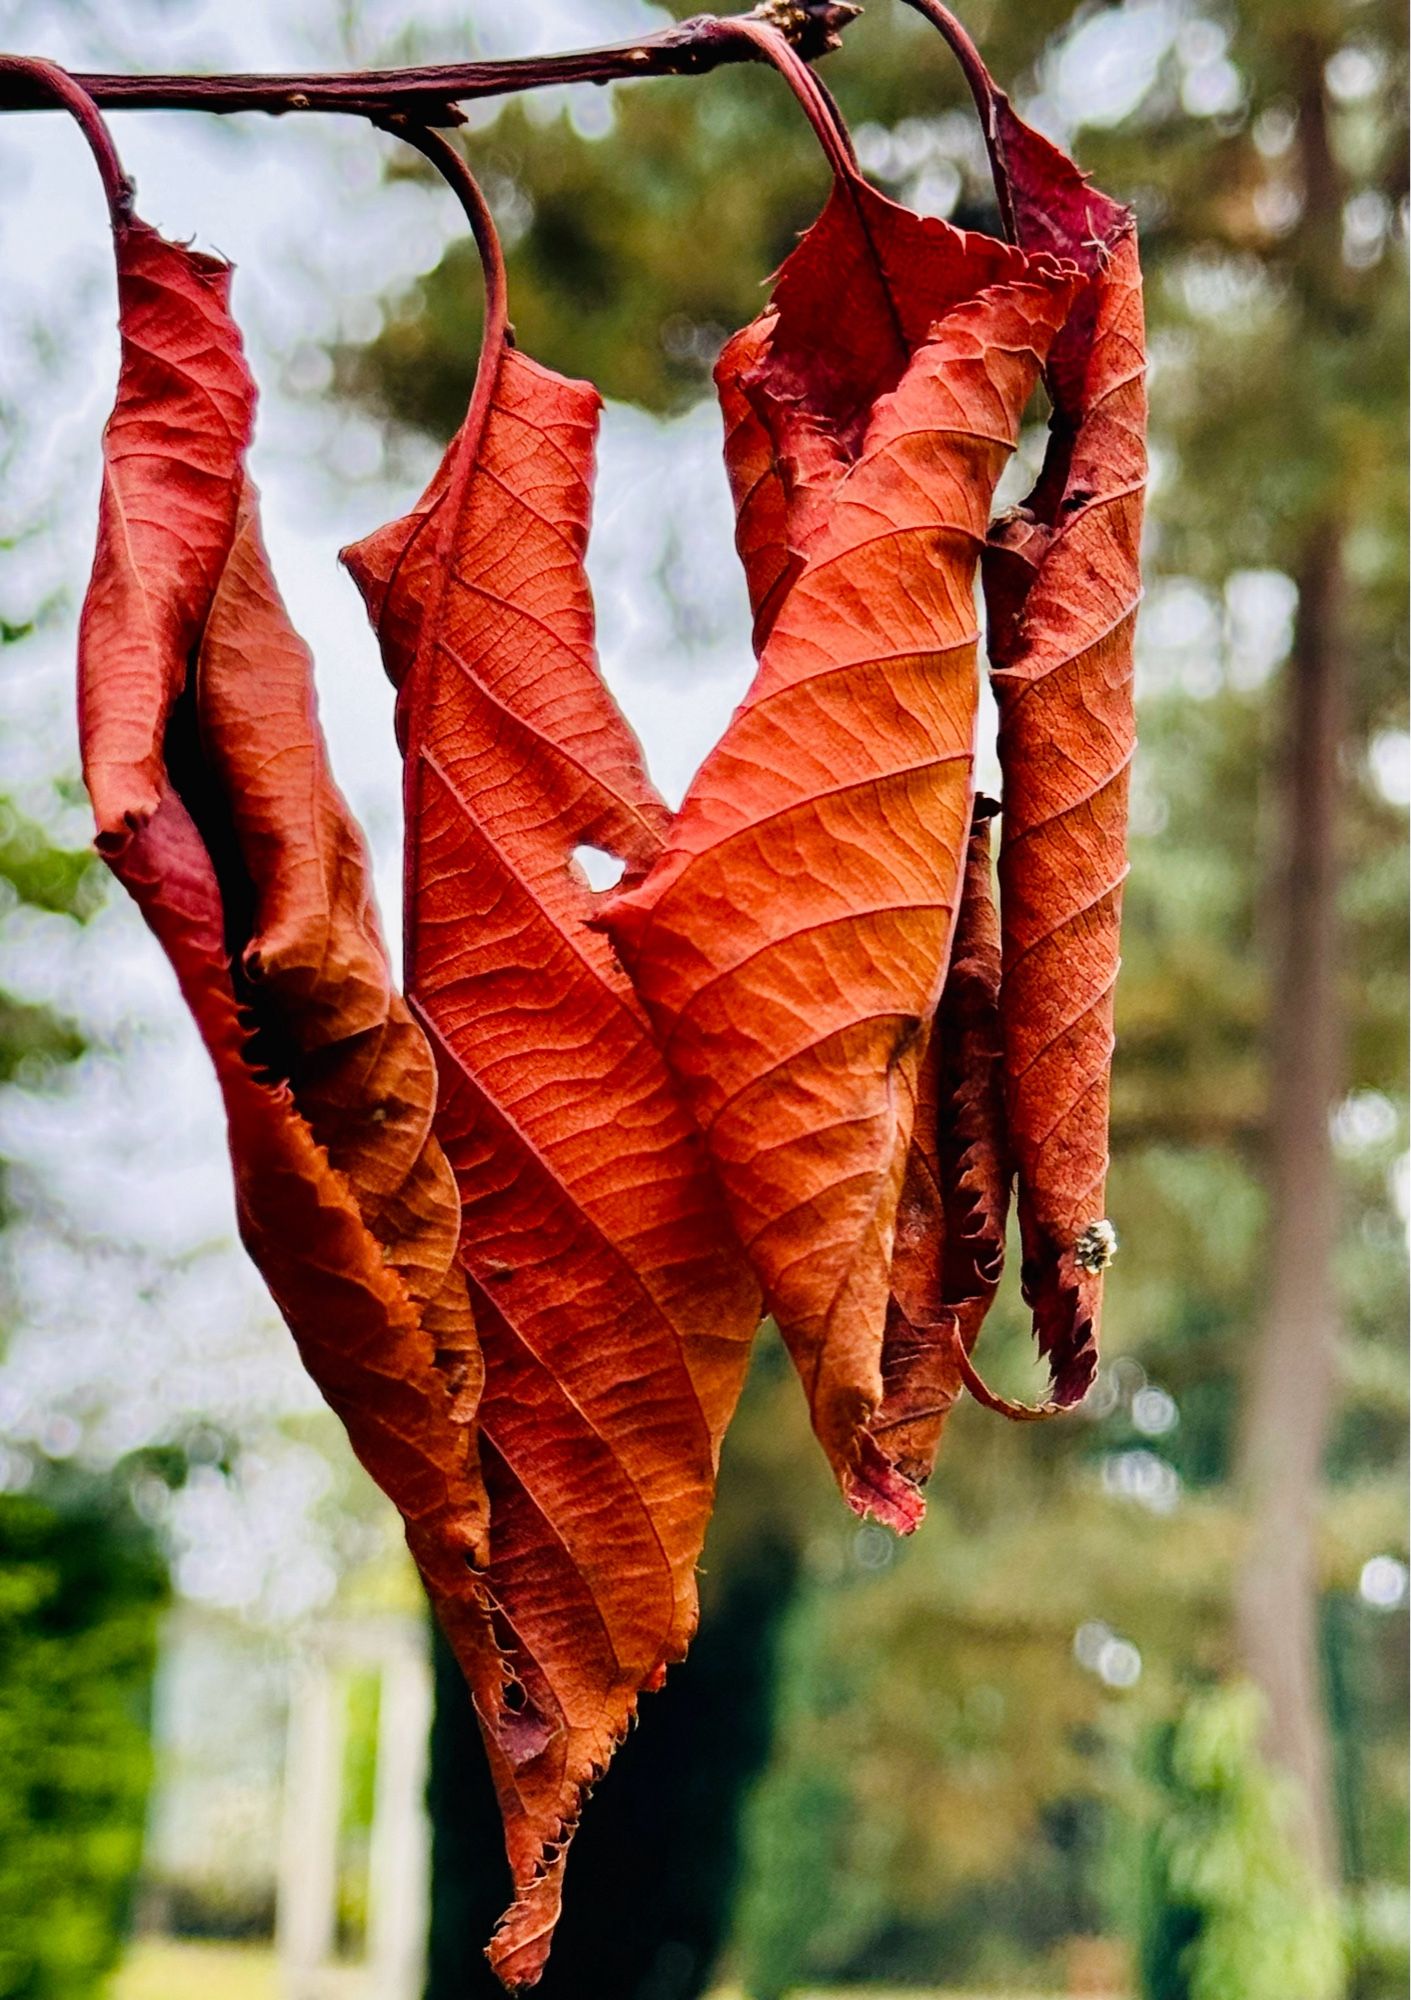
216 810
950 1223
615 1308
792 944
1062 584
172 456
941 1284
919 1366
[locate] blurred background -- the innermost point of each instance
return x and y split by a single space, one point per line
1127 1717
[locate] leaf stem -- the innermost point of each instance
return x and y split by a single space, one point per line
1001 1406
983 89
53 85
452 167
818 104
495 340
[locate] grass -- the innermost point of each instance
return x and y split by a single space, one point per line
159 1970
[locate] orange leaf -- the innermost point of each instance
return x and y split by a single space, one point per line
217 812
614 1306
959 1085
792 943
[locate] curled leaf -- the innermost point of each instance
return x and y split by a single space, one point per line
172 464
950 1222
216 810
1062 583
615 1308
792 943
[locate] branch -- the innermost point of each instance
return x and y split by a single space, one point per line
429 95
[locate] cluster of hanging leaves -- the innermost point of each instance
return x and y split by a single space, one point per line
524 1223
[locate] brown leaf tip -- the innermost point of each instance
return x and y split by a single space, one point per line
879 1491
1095 1248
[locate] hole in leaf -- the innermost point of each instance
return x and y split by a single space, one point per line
604 870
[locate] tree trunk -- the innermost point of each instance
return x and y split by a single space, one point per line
1291 1388
1290 1392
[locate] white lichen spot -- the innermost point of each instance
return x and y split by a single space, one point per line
1096 1247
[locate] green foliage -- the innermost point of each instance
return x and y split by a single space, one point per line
949 1775
33 1040
1229 1908
45 877
37 875
80 1592
358 1798
793 1916
81 1587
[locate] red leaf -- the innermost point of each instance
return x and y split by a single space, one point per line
792 943
1062 583
216 810
172 456
614 1306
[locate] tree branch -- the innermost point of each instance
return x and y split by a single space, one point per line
429 95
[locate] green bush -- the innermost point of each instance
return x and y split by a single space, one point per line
81 1587
1230 1909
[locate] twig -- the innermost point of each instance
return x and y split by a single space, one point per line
429 95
